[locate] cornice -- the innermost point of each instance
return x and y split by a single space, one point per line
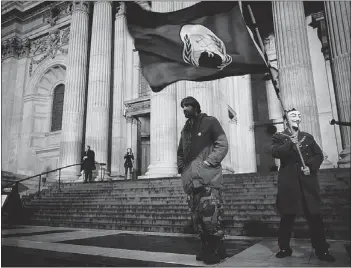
50 11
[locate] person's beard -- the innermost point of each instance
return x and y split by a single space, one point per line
189 114
295 128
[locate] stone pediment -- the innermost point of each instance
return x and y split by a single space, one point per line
137 107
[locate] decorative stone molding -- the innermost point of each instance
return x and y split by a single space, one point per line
144 4
81 6
50 45
15 47
120 10
318 21
137 107
31 11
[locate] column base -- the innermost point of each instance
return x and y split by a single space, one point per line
161 169
327 164
69 176
345 158
157 176
227 169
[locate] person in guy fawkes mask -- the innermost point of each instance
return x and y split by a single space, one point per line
202 147
298 187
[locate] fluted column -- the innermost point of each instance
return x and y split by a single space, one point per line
275 112
118 121
163 130
97 124
180 86
294 64
242 98
73 107
223 117
338 23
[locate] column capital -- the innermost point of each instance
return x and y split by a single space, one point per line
318 21
82 6
120 10
102 1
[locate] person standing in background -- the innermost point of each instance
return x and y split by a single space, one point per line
128 163
88 164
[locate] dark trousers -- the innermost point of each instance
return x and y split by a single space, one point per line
315 225
88 173
126 170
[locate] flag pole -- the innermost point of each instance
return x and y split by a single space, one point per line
274 82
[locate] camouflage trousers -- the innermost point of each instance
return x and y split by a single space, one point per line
205 206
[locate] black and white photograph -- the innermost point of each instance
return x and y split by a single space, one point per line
175 133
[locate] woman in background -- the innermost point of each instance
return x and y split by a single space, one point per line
128 163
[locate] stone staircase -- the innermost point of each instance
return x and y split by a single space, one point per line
160 205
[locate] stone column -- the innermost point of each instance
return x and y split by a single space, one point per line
245 124
118 121
73 107
8 73
132 139
97 124
163 140
223 101
20 84
338 23
274 107
294 64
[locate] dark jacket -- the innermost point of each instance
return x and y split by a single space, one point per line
202 140
128 160
89 163
293 185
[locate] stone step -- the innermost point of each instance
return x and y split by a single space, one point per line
229 209
185 223
229 214
144 197
247 204
300 230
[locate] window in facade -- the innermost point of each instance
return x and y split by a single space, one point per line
57 108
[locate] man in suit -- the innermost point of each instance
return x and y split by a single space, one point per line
202 147
298 186
88 164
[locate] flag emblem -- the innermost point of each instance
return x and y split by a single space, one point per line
202 48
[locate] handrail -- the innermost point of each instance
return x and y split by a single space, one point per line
40 174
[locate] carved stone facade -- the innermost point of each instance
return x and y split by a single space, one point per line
35 58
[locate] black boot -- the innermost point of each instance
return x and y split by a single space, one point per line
213 255
204 248
222 251
324 256
284 253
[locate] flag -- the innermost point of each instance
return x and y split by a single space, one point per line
203 42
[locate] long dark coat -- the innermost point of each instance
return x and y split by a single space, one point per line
202 140
293 185
89 163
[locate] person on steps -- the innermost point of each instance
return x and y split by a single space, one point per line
88 164
128 163
202 147
298 186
